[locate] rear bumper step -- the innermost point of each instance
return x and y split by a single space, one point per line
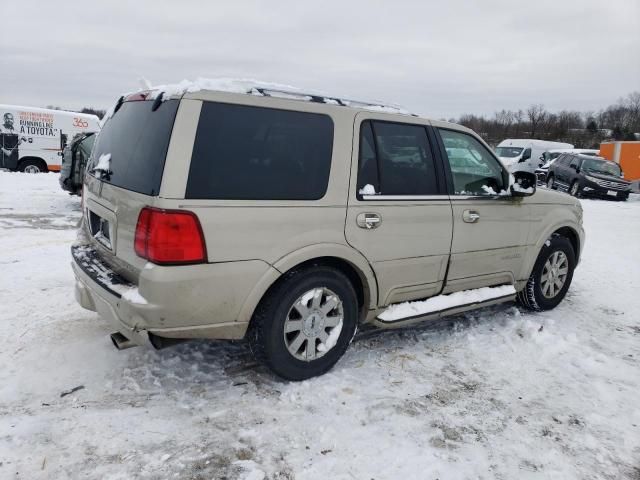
89 261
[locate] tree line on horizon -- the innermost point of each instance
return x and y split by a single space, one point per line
89 110
620 121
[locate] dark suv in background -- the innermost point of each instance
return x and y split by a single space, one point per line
584 175
74 162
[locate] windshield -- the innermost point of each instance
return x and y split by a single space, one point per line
508 152
602 166
551 155
132 146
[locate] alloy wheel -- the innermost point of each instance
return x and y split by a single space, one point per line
554 274
574 189
313 324
31 169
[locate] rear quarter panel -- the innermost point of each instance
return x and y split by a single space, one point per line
266 230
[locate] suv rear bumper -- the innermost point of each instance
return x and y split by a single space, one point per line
100 289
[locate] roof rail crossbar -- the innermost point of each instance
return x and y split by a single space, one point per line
313 97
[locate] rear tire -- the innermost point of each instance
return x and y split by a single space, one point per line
33 165
551 183
575 191
549 281
290 322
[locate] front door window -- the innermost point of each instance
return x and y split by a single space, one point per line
474 169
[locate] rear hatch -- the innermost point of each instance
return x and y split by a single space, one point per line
124 175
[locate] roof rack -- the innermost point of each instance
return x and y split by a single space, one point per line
319 98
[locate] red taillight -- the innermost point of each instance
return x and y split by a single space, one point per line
142 232
169 237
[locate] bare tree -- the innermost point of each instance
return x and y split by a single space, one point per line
536 115
504 119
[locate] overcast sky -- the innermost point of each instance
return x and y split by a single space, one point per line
439 58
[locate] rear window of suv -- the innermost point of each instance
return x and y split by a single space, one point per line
137 138
254 153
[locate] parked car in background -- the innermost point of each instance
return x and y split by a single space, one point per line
584 175
555 153
525 154
290 219
542 171
74 162
32 139
626 154
550 156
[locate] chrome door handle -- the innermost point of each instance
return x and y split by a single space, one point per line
470 216
368 220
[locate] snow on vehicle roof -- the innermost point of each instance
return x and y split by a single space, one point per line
268 89
46 110
572 150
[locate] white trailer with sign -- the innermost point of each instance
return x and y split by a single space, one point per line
32 139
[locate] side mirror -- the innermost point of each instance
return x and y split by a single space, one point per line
524 184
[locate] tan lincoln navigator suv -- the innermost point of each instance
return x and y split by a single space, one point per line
291 219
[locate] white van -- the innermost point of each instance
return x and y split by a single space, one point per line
525 154
32 139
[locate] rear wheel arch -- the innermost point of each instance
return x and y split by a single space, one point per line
357 270
356 277
341 257
31 161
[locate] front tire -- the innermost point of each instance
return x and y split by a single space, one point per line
551 275
305 323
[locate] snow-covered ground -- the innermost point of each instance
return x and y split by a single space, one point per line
498 393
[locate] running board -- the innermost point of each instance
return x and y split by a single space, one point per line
400 314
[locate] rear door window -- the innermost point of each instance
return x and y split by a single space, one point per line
395 159
253 153
575 161
137 138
